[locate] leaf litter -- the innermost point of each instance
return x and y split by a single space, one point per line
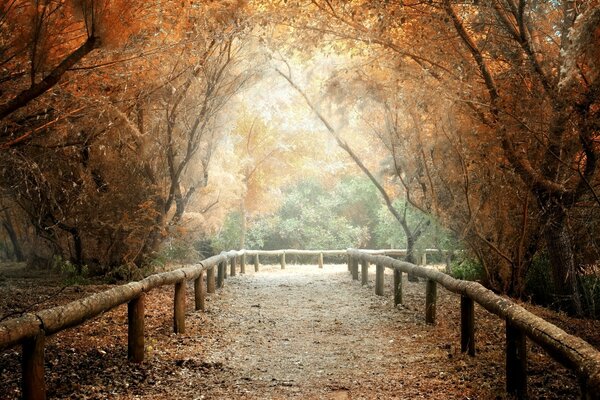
302 332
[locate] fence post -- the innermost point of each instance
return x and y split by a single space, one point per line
349 261
282 260
320 260
225 268
397 287
424 258
379 271
256 263
430 301
179 307
135 329
210 280
199 293
364 272
355 268
516 361
467 325
412 277
220 274
233 265
243 264
34 385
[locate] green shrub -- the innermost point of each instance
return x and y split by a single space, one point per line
130 272
467 269
590 290
539 286
70 273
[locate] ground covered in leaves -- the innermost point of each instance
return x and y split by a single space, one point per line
301 332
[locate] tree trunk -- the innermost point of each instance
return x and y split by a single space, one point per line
12 234
243 226
78 251
562 260
77 258
410 254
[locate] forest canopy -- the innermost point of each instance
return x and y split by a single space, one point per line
127 127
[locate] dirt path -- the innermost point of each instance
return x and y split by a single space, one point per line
304 332
297 333
316 334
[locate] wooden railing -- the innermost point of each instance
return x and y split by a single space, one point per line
571 351
31 330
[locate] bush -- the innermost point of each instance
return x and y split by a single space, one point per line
467 269
539 286
71 273
590 290
538 282
129 272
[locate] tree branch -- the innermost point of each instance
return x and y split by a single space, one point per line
37 89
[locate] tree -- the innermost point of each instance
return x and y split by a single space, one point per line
85 170
522 74
44 40
412 235
263 154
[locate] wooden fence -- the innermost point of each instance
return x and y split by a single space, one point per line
31 330
571 351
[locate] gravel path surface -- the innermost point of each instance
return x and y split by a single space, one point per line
305 332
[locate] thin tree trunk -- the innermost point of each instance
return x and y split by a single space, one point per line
243 225
12 234
410 253
562 261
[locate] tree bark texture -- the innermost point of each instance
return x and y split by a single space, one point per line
233 265
220 274
243 264
12 235
282 260
516 361
562 260
397 287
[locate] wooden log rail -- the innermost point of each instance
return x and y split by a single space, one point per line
571 351
31 330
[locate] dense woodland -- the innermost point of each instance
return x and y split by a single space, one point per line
133 132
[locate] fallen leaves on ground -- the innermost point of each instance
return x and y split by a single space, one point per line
301 332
